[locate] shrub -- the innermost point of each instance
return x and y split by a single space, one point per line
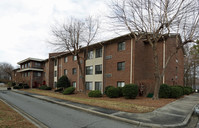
59 90
150 95
165 91
17 87
187 90
107 87
63 82
20 84
130 91
176 92
112 92
120 91
9 84
25 86
43 87
69 90
13 83
95 93
181 88
48 88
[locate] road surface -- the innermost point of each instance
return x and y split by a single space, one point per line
57 116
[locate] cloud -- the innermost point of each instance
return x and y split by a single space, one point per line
25 25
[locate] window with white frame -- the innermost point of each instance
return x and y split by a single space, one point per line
65 72
74 84
90 55
98 69
121 46
98 86
74 58
89 85
55 73
66 59
74 71
120 84
89 70
120 66
98 53
55 62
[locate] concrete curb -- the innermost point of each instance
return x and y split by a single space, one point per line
138 123
25 115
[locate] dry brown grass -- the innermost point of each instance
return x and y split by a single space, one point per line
11 119
138 105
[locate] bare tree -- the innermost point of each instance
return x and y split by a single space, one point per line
155 20
6 70
191 65
72 36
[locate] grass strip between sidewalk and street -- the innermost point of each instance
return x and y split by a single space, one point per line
11 119
138 105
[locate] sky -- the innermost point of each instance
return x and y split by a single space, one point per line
25 25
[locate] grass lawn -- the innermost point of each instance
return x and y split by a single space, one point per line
11 119
138 105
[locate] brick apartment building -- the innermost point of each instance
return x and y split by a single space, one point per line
115 62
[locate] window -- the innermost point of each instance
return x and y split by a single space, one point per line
22 66
74 84
74 70
25 74
74 58
28 73
120 84
98 53
98 86
55 62
89 85
89 70
121 46
55 73
66 59
29 65
37 74
90 55
65 72
25 65
98 69
37 64
120 66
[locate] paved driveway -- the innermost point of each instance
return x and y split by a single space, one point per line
56 116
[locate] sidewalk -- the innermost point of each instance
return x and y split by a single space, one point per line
175 114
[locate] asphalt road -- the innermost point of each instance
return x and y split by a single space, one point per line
57 116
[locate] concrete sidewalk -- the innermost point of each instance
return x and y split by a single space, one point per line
175 114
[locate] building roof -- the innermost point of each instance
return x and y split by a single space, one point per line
29 59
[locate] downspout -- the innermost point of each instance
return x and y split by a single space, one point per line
164 58
131 63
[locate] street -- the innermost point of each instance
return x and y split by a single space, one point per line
57 116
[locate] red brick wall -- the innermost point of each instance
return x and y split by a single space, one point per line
110 65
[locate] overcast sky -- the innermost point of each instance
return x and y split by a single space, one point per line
25 25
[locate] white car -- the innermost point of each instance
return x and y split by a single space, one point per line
197 109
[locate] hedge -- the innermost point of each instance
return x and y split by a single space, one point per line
106 88
63 82
112 92
176 92
69 90
95 93
130 91
45 87
164 91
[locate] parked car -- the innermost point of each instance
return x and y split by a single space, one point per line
196 110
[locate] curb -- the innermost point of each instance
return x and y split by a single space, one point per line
138 123
25 115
